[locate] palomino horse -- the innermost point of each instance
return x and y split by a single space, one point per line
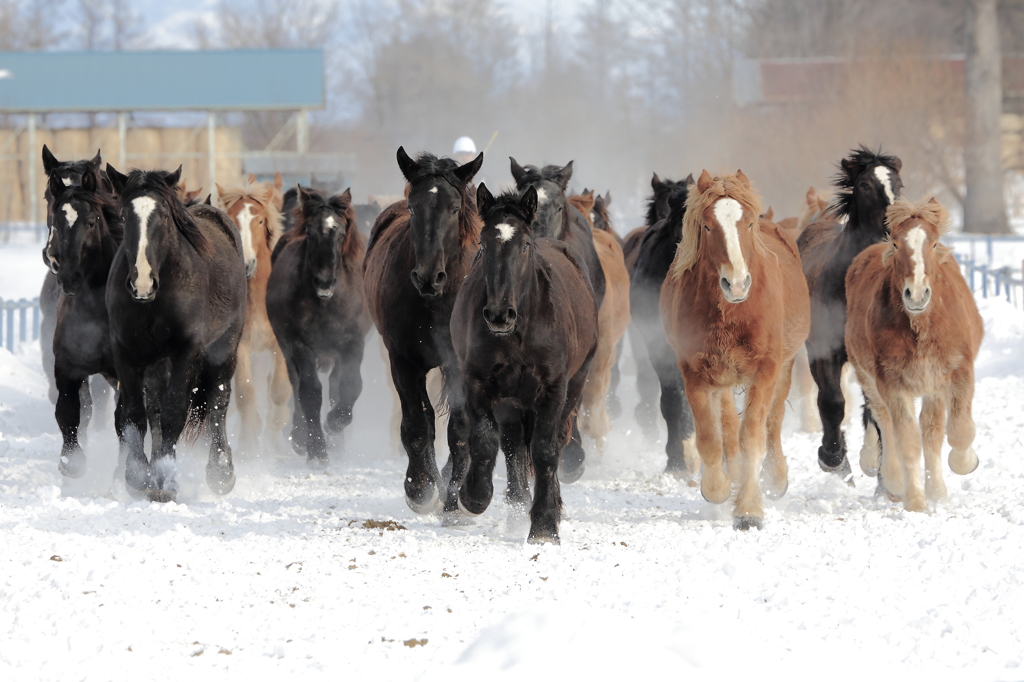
613 318
654 258
176 299
913 330
87 230
315 304
736 310
254 210
868 182
525 329
419 253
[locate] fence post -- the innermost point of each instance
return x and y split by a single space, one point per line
22 321
35 319
984 281
10 326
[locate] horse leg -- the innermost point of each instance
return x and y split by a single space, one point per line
245 399
155 387
85 407
346 383
775 472
645 412
220 470
730 421
280 390
707 417
907 431
827 373
573 457
130 424
595 393
552 416
68 412
933 427
613 404
878 416
476 491
174 409
513 427
310 400
809 419
749 509
962 458
679 420
422 479
298 432
847 379
99 390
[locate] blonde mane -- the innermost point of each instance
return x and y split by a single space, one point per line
263 194
929 211
732 186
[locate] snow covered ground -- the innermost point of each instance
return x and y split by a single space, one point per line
329 573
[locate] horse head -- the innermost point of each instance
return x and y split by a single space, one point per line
78 225
868 183
66 174
659 205
328 224
441 213
506 247
914 251
550 183
254 211
721 228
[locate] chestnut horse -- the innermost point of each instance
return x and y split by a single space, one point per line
419 252
256 213
868 182
613 318
736 311
913 330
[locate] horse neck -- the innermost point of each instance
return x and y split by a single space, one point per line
866 224
98 256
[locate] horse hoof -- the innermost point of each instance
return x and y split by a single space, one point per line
543 538
965 464
566 475
221 480
163 495
457 519
72 464
842 470
747 522
471 508
772 495
430 504
317 463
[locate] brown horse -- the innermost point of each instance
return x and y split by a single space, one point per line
613 319
736 310
254 208
913 330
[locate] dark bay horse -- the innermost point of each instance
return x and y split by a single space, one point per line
654 257
556 218
736 311
867 183
913 330
176 300
315 306
525 330
419 253
86 231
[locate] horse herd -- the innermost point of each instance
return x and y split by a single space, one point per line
521 300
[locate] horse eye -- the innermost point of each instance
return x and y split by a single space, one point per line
410 210
456 211
707 228
526 246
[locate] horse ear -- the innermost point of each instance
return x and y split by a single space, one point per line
56 185
49 160
608 198
769 215
251 178
528 202
117 181
655 182
704 181
689 180
209 200
89 181
741 176
278 182
811 197
518 172
406 164
565 175
220 193
174 178
897 164
466 171
347 195
484 199
96 160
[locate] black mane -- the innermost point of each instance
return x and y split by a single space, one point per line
155 181
315 203
534 174
677 203
844 181
665 187
101 201
508 202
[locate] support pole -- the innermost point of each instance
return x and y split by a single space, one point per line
211 151
302 131
122 142
33 182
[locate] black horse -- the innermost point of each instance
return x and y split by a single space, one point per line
557 219
655 254
528 352
176 297
86 232
867 183
419 253
315 306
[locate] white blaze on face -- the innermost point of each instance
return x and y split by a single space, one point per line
245 217
882 173
330 223
505 232
143 207
542 196
728 212
915 242
66 181
71 215
433 190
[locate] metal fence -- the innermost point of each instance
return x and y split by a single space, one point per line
19 322
992 281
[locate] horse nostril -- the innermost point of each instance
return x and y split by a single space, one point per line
746 281
439 279
726 284
906 293
54 265
511 314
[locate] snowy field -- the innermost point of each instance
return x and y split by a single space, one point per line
317 575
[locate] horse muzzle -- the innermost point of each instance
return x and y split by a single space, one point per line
500 321
916 305
429 286
250 268
735 292
145 296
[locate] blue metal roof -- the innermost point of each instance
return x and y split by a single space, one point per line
229 80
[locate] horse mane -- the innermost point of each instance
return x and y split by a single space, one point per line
731 186
429 165
844 181
601 209
534 174
101 201
669 187
509 201
315 202
929 211
263 194
155 181
584 203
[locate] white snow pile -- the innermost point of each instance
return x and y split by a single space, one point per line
319 575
